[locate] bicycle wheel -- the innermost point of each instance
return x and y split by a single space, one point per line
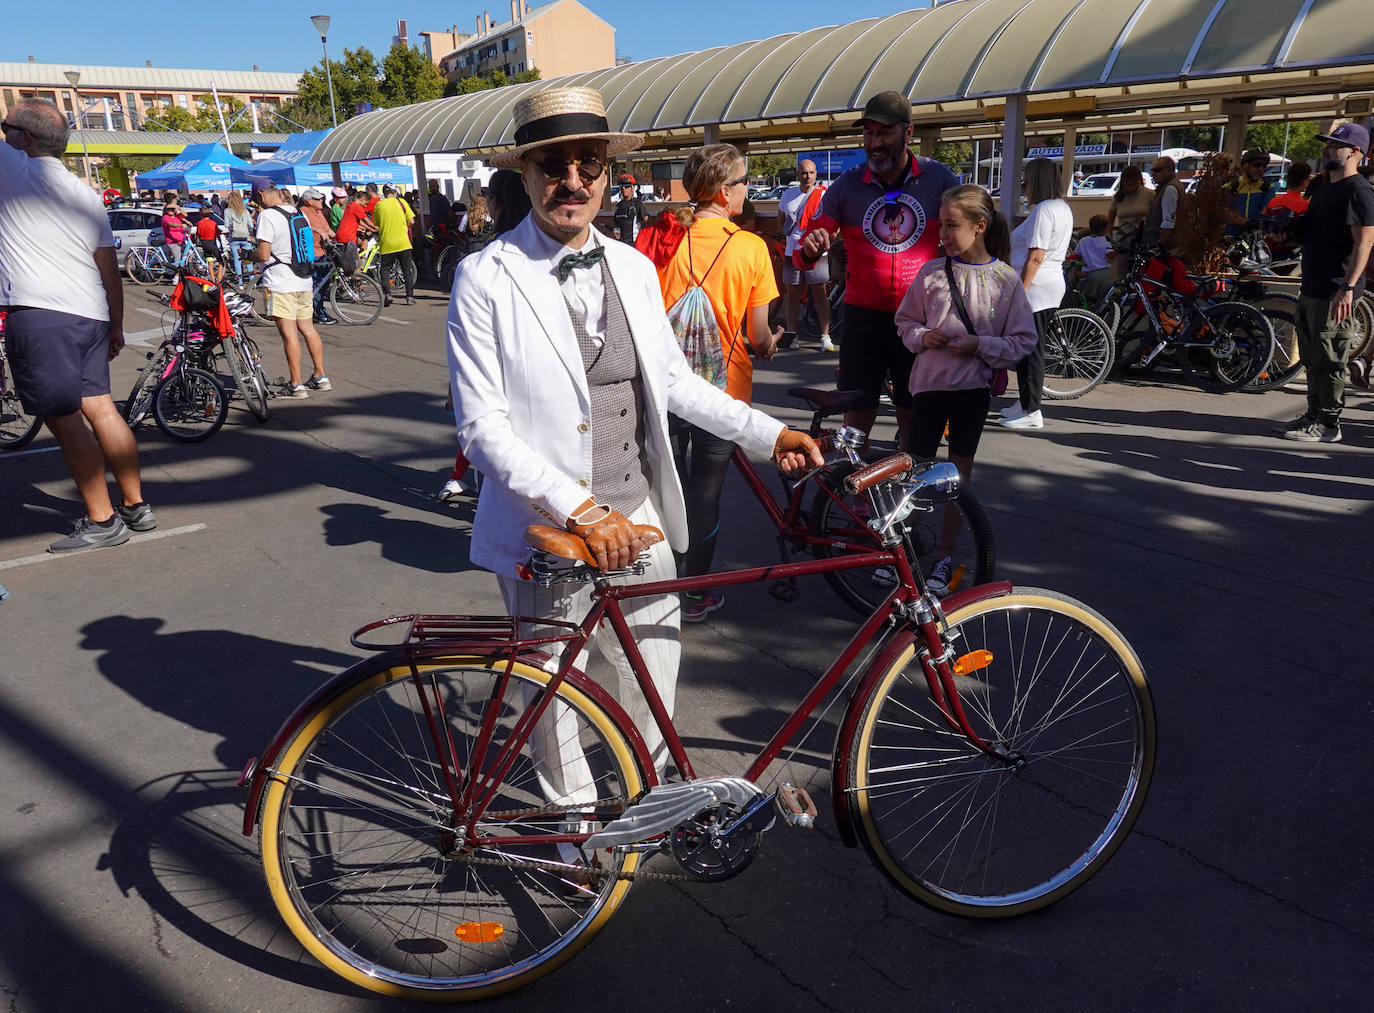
190 405
1284 364
967 541
355 301
361 854
255 359
1108 310
1239 345
245 376
18 427
256 294
143 266
140 400
446 265
1363 313
1056 688
1079 351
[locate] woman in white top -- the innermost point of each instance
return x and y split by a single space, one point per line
1038 247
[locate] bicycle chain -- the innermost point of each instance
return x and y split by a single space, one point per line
563 867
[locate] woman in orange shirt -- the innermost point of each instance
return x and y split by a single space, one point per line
733 269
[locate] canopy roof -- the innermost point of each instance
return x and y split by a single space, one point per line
290 166
199 167
1101 64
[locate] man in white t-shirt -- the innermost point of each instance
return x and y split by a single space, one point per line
61 285
799 203
289 300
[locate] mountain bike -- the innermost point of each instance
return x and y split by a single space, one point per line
179 388
838 523
416 837
18 426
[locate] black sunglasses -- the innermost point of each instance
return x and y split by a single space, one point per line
589 167
6 126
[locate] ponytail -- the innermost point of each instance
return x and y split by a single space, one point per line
997 238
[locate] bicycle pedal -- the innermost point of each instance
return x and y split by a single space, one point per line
795 806
785 590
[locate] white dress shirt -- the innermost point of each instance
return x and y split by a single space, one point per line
583 288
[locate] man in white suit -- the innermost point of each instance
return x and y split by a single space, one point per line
564 368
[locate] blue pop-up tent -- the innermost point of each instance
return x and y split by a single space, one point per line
198 167
290 166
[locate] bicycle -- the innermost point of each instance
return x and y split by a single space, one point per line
353 298
18 426
836 523
1080 350
993 753
149 265
179 388
236 356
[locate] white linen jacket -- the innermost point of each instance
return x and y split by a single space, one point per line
520 396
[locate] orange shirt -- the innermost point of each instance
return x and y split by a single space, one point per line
741 279
1292 200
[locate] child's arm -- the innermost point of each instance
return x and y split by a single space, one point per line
1018 337
911 318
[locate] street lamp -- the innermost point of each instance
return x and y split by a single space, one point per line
321 23
74 78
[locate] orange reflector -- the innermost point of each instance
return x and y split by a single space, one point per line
972 662
480 932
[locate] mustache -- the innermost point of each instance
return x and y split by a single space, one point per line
562 193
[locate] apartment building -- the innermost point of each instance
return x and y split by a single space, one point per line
118 98
556 39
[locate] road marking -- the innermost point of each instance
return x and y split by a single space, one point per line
144 339
395 320
35 450
48 557
151 312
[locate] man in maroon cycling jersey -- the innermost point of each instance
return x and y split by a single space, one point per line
888 212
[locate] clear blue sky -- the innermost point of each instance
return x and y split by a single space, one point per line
643 30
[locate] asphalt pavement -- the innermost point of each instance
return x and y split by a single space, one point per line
135 682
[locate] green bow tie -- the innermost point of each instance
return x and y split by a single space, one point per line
575 260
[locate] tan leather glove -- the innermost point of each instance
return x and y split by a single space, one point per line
795 451
611 538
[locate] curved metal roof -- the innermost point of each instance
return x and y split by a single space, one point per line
950 60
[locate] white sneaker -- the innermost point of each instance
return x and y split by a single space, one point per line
1034 420
827 345
452 489
1012 411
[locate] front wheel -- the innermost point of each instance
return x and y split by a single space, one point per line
383 883
245 375
355 300
190 405
1231 346
1079 351
1060 695
143 266
959 530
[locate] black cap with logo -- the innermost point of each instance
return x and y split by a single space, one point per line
888 108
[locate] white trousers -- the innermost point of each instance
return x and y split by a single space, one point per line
654 621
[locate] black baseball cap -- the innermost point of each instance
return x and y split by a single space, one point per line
888 108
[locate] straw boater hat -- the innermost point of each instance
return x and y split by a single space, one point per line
555 115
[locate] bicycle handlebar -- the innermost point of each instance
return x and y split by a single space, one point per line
567 545
879 471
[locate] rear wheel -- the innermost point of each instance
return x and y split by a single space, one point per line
17 426
1079 351
1284 364
1239 344
1061 697
143 266
140 400
355 301
378 879
959 529
190 405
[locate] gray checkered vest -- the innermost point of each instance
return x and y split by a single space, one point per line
620 466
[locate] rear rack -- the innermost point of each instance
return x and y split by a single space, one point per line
437 634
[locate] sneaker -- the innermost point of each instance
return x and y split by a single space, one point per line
325 319
1031 420
410 301
827 345
452 489
89 535
319 383
938 581
1012 411
1303 421
1315 432
138 517
296 390
700 604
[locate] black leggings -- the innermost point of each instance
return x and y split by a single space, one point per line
1030 371
702 462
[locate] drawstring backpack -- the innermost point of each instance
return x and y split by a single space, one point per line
694 323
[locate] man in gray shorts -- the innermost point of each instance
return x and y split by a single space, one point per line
800 203
62 289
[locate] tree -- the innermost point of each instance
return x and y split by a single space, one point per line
355 82
773 166
497 79
408 76
168 117
1301 135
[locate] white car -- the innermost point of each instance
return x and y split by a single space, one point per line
134 227
1101 184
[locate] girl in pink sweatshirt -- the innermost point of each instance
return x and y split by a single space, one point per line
955 360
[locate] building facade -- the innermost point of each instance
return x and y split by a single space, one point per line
557 39
119 98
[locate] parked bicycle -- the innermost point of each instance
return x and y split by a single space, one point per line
152 265
18 426
354 298
993 752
